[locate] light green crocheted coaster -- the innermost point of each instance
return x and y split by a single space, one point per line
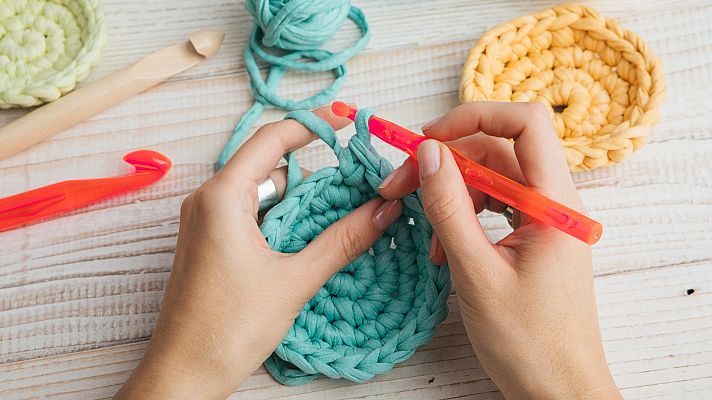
46 47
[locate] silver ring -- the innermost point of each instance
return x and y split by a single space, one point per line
267 194
509 214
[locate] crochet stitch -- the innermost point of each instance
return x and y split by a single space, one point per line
300 27
381 307
46 47
603 81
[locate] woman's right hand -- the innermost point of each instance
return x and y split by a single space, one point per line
528 301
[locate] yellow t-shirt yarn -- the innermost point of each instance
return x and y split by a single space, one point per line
601 83
46 47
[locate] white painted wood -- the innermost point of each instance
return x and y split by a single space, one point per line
656 339
86 288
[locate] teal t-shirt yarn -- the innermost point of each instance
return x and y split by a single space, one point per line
379 309
296 30
375 312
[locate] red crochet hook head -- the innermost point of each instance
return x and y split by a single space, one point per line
524 199
28 207
391 133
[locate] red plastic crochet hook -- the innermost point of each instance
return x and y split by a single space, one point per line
498 186
31 206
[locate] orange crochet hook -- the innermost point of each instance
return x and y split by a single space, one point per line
524 199
31 206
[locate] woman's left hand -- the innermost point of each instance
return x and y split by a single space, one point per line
231 299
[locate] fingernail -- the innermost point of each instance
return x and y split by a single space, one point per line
387 213
389 179
430 124
429 158
434 243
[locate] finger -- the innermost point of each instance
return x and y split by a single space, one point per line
492 152
344 241
258 156
536 145
401 182
437 254
279 177
518 219
496 154
448 207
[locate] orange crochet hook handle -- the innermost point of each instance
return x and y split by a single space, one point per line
31 206
524 199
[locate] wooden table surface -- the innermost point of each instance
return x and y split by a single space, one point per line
79 295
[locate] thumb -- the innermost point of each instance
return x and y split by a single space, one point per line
448 206
343 242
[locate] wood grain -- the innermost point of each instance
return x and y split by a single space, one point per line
79 295
655 335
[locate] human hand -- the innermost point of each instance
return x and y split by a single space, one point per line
230 299
528 301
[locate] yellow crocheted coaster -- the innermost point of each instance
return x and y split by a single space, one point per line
601 83
46 47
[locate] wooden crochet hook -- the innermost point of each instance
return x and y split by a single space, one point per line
106 92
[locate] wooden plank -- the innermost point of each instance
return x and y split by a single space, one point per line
138 27
655 335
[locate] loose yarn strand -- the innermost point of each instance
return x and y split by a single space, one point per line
300 27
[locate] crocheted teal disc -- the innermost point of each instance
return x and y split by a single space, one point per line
379 309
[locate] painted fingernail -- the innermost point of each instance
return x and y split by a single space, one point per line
389 179
430 124
387 213
429 158
434 243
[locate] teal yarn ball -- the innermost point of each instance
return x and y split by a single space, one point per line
298 25
379 309
298 28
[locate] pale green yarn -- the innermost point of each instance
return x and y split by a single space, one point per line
46 47
298 28
375 312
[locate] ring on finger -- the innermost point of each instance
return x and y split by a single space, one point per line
267 195
508 213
